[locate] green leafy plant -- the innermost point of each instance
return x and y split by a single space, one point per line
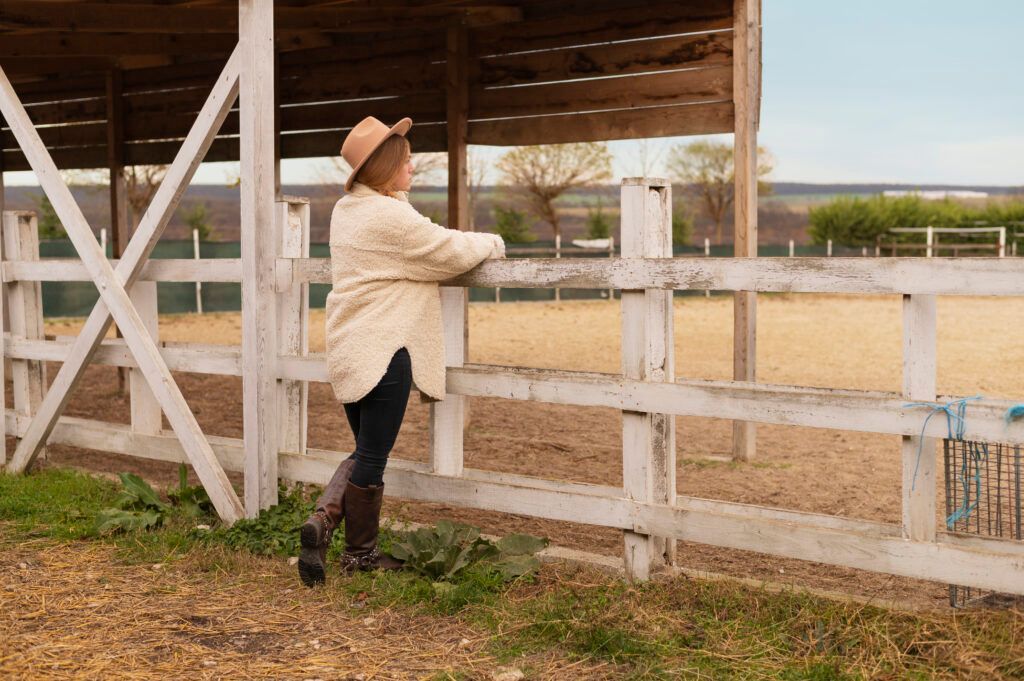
191 500
275 531
444 551
137 507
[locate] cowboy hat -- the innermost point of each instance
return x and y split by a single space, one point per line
363 140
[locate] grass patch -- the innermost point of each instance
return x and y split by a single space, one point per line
682 628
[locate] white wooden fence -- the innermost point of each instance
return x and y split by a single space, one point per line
647 508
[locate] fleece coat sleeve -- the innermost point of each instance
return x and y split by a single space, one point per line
431 252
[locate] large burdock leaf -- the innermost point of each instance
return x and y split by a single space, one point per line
517 566
137 494
113 520
520 545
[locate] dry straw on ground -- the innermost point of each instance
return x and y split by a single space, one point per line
73 611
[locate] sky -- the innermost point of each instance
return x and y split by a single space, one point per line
905 91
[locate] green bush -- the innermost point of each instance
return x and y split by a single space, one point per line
599 226
853 221
512 226
682 225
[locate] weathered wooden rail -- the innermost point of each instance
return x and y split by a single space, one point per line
647 508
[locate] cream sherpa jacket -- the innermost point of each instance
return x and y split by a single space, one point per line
386 262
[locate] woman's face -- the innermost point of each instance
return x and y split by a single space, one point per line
403 181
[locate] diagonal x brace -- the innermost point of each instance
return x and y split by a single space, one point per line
115 304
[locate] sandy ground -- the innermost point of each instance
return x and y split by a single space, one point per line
828 341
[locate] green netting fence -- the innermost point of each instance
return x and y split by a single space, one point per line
76 299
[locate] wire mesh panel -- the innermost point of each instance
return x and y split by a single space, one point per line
983 497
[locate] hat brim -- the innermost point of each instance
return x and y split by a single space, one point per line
399 128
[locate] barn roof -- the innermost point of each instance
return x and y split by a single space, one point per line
536 71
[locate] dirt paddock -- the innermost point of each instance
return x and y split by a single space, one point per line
811 340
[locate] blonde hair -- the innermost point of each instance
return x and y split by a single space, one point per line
381 169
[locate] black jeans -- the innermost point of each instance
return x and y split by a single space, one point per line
376 418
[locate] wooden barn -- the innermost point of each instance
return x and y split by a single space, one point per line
104 85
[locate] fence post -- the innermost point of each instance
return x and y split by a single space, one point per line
256 88
929 241
1002 242
147 417
828 248
558 254
919 365
199 284
447 416
611 255
648 440
792 248
25 312
707 254
3 353
292 218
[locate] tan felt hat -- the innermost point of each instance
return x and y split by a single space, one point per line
363 140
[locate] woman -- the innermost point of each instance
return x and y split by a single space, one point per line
384 331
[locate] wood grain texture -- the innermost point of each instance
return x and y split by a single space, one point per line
746 99
609 59
258 248
918 454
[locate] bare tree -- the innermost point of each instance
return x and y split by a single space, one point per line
705 169
649 156
541 174
476 168
141 183
427 166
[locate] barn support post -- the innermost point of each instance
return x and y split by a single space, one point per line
292 218
918 454
25 312
119 227
746 98
648 439
457 103
259 326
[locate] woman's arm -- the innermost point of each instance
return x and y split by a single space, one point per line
433 253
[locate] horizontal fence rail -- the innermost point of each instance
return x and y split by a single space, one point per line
939 276
853 410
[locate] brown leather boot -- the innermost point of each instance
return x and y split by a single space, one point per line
317 531
362 525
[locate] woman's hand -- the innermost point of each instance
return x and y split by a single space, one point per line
499 247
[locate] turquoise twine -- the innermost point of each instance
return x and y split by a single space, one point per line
1014 412
958 419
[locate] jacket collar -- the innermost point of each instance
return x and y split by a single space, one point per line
360 189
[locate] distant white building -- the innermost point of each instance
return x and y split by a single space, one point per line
936 194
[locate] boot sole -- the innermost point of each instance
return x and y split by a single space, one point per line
311 569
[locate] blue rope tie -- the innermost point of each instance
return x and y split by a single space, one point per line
955 423
1014 412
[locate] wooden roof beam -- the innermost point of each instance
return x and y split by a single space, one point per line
128 18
